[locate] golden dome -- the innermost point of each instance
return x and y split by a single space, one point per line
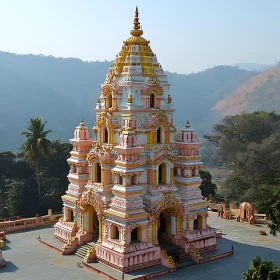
136 40
135 52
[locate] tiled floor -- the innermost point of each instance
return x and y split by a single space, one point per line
29 260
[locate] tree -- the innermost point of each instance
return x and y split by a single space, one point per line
36 144
232 137
261 270
207 187
274 217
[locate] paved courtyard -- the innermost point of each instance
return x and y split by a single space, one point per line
29 260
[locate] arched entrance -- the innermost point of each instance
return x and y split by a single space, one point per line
162 173
106 135
166 225
91 215
91 222
168 214
97 172
152 100
159 136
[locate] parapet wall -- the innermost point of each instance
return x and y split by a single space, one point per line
34 222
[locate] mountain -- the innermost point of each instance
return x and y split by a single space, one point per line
64 90
253 66
260 92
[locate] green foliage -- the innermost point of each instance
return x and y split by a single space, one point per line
36 144
207 187
18 187
262 270
274 217
249 145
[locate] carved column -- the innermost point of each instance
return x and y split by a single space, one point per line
203 216
171 174
102 175
191 222
82 221
154 177
156 230
100 219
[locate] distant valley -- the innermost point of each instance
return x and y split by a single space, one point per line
65 90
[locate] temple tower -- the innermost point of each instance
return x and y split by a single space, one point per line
137 182
78 178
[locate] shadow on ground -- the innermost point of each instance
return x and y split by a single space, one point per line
10 267
231 267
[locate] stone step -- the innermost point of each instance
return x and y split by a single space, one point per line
59 238
183 264
208 249
81 251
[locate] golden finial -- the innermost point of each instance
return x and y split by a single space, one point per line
137 29
130 99
187 124
82 122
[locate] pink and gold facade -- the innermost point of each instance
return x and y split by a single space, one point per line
136 183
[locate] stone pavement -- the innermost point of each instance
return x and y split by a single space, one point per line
29 260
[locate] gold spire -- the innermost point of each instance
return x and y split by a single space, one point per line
137 30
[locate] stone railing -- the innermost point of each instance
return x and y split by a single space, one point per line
194 253
166 260
199 233
9 226
162 188
114 245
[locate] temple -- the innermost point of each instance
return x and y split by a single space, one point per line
134 186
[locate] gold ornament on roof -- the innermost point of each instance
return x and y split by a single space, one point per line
137 31
130 99
187 124
169 99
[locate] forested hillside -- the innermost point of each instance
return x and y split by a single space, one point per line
260 92
63 91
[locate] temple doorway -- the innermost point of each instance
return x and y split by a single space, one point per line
91 223
106 136
162 173
98 173
135 235
245 215
159 136
164 222
152 100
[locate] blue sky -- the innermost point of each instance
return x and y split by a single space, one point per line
187 36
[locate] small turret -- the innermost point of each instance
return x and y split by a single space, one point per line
81 132
187 134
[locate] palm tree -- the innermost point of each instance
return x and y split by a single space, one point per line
36 144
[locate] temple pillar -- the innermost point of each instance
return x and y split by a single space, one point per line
102 175
156 229
171 174
191 222
82 221
100 219
203 225
154 177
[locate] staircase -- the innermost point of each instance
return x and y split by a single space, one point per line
208 249
81 251
173 251
59 238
